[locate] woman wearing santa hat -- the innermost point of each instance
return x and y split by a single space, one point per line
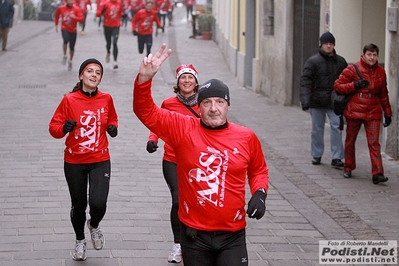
185 102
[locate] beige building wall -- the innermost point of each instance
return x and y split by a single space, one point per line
226 14
391 145
275 57
354 23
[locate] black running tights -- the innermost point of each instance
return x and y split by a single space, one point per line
170 175
78 176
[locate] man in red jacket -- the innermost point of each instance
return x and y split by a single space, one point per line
367 106
70 15
112 11
214 158
142 24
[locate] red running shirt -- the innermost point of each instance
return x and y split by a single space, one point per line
173 104
112 14
212 165
87 142
143 22
66 13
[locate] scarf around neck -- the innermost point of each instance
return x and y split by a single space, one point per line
190 101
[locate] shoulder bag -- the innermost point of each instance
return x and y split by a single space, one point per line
339 101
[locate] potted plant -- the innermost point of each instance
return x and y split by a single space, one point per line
205 24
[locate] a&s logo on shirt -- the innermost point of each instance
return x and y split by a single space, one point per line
88 131
211 180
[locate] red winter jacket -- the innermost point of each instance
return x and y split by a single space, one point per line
367 103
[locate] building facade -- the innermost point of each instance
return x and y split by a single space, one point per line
266 42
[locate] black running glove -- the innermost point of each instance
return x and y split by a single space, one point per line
112 131
135 33
152 146
68 126
257 205
388 121
361 83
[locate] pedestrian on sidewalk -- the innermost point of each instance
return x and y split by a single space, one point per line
112 11
6 19
317 83
185 102
70 15
142 26
85 115
214 158
368 105
189 9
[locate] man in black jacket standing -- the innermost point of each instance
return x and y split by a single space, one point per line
317 82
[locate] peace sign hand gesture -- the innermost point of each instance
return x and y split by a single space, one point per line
151 63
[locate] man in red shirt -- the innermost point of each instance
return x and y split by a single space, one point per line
142 26
112 11
135 6
70 15
214 157
82 4
165 10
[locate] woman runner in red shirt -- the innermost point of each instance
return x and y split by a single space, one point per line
85 115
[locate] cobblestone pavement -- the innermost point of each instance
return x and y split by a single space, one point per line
306 203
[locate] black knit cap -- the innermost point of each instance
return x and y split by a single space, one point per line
90 61
213 88
327 37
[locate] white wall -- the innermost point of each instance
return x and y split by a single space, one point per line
356 23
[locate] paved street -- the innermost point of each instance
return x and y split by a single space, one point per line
305 204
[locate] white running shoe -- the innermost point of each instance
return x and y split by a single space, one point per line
64 59
115 65
175 255
97 237
79 253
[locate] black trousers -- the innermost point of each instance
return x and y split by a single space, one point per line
111 35
78 176
170 175
218 248
144 40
